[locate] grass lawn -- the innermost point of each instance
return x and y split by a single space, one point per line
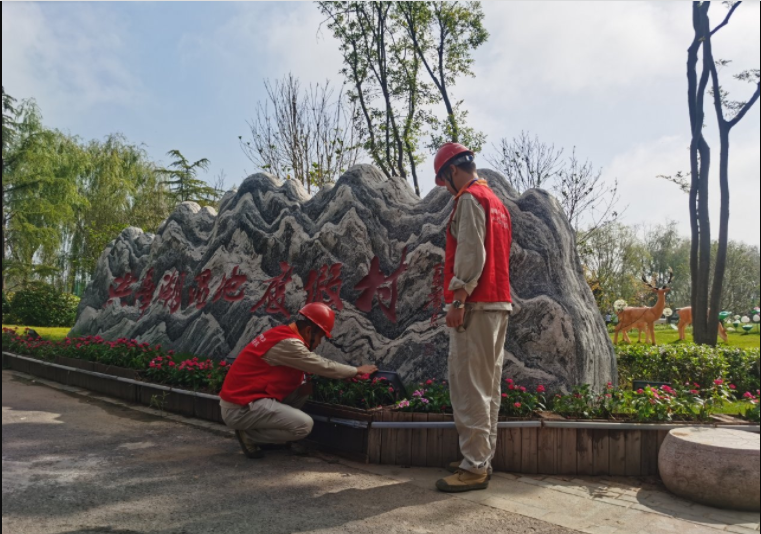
665 335
48 333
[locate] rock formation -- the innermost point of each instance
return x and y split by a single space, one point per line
192 286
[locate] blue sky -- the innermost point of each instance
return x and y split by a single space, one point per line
607 78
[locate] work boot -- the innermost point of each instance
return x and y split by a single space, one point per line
251 450
463 481
455 466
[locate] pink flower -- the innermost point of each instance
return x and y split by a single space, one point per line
523 389
694 391
640 391
732 386
390 389
428 382
511 387
718 381
152 364
517 405
610 385
748 395
223 364
509 380
504 395
541 389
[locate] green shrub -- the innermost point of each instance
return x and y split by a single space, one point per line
693 364
40 304
6 307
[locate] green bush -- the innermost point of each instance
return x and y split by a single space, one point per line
6 307
40 304
693 364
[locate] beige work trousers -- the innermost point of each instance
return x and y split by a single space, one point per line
476 355
269 421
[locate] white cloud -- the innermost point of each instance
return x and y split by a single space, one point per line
270 40
654 201
70 60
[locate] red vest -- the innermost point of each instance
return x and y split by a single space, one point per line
494 284
250 378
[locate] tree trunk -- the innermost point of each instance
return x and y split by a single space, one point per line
721 253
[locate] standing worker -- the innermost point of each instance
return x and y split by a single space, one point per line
477 290
265 388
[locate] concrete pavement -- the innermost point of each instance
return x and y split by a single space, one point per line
79 463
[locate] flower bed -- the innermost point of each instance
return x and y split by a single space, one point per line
552 445
688 401
150 362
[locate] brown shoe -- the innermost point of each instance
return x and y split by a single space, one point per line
252 451
455 466
463 481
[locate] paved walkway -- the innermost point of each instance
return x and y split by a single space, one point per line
79 463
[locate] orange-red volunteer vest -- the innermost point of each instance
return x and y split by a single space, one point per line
494 284
250 378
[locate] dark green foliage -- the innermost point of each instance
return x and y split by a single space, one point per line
41 304
681 364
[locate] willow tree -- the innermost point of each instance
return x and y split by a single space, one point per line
40 195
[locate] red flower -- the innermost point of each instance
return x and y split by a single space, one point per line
517 405
509 380
504 395
694 391
390 389
428 382
223 364
718 381
541 389
732 386
511 387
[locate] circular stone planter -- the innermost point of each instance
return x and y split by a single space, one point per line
711 466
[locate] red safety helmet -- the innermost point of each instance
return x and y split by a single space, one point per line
445 155
321 315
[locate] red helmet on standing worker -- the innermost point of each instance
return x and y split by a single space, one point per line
446 154
321 315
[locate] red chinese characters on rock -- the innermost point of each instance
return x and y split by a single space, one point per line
325 286
274 297
170 292
376 283
436 297
230 289
121 289
144 295
200 293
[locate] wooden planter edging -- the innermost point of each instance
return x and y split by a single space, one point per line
549 447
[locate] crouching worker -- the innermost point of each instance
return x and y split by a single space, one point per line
264 388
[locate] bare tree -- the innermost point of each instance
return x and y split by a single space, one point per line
589 202
527 162
303 134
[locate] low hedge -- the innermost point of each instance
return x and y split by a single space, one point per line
689 364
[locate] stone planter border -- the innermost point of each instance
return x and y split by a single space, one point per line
548 446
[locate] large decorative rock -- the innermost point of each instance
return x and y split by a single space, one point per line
712 466
151 287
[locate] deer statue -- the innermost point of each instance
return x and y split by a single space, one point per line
629 318
640 327
685 320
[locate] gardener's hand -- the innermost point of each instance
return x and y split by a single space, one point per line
455 317
366 369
